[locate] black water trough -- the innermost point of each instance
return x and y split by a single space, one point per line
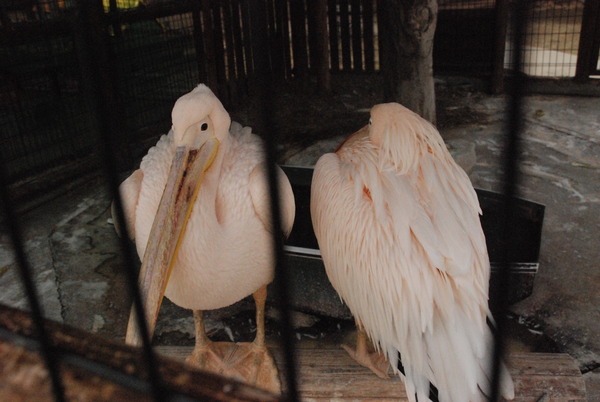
312 291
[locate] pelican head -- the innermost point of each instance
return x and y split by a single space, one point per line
198 116
200 125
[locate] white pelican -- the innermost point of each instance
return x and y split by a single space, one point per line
199 210
398 227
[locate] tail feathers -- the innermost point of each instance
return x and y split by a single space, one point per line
414 391
507 387
458 372
415 385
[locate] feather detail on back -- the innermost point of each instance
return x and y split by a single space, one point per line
398 227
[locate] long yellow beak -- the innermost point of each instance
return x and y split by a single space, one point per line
184 181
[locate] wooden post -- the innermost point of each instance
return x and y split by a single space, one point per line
406 30
589 39
299 45
333 38
282 15
276 39
345 35
320 54
247 33
239 48
497 78
209 46
329 373
229 56
368 35
219 52
357 37
199 43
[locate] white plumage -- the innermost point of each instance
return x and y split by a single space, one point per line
225 255
224 246
397 224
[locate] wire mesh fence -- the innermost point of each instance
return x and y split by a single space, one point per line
155 51
551 43
41 102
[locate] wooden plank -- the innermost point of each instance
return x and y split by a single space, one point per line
219 50
345 35
209 45
313 34
368 35
554 375
247 32
281 10
299 45
239 45
199 44
357 47
333 35
333 374
327 373
93 368
275 41
231 76
321 61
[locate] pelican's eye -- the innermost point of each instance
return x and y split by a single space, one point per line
204 126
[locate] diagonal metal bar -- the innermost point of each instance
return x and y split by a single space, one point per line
99 365
49 353
514 127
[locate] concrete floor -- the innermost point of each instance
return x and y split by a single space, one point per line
78 267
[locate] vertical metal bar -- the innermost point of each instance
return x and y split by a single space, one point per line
282 278
49 354
501 23
199 43
587 55
103 109
368 36
333 35
356 35
299 45
209 45
345 35
512 149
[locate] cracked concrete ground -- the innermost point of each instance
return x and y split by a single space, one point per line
78 264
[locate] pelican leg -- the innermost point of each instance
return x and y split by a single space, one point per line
204 356
252 360
260 299
366 356
249 362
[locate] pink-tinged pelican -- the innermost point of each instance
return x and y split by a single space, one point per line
199 210
398 227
